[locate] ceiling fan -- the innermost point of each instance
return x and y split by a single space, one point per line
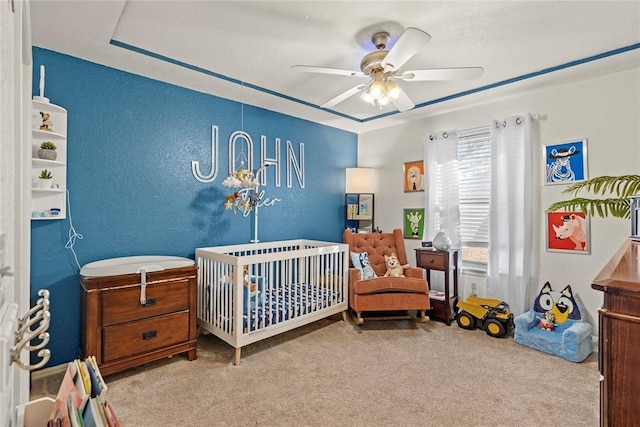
383 67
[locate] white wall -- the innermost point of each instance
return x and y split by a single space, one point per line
605 110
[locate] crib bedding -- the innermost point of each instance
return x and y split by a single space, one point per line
272 306
282 304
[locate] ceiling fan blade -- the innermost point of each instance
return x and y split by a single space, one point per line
462 73
338 99
403 103
409 43
325 70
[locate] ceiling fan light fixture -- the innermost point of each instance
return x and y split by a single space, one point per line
383 101
393 90
377 89
364 95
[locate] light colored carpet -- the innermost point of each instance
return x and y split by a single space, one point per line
384 373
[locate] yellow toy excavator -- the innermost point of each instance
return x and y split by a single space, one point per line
491 315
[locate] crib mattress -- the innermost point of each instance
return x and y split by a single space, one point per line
133 265
283 304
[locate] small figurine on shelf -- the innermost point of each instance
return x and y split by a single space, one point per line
46 122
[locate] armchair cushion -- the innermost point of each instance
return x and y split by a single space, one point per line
555 325
389 284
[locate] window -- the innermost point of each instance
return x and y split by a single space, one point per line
474 186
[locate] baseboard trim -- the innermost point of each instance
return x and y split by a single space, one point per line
46 372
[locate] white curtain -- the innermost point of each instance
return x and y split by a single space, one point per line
442 209
512 205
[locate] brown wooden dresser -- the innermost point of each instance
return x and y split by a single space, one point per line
121 332
619 343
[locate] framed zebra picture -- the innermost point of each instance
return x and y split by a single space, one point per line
566 162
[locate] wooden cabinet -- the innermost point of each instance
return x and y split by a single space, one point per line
442 306
48 197
359 215
619 342
122 333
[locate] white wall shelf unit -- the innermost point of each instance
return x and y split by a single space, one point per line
49 203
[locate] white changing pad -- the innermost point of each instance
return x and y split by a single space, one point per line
133 265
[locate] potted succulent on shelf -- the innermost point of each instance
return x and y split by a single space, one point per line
47 151
45 179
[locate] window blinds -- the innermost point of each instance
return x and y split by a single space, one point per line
474 175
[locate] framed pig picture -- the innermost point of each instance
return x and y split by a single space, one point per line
568 232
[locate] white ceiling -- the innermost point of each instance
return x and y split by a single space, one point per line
243 50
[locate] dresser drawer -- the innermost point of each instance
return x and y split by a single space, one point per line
431 259
123 305
144 335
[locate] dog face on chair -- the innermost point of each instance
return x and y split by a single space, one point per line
394 268
364 259
361 262
561 305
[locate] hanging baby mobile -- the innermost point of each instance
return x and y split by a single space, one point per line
246 197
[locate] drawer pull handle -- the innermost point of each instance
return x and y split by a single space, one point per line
149 302
432 260
149 335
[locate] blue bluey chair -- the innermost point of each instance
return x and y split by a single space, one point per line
563 332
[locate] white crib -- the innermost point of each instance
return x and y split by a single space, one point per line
280 286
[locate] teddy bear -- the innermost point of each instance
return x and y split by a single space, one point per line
394 268
250 284
46 122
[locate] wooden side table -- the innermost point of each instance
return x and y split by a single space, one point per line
447 262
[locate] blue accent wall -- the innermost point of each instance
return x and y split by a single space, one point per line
131 141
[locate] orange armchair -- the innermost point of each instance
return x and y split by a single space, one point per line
380 294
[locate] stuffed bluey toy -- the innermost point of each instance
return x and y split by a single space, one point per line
361 262
367 270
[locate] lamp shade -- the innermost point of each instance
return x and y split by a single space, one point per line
359 180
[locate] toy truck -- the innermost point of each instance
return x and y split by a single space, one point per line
491 315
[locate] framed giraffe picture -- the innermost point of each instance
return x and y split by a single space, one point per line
413 220
566 162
